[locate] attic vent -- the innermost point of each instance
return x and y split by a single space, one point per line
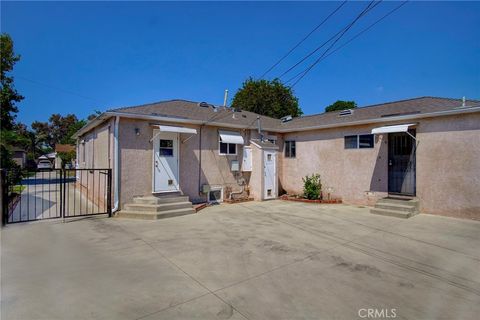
203 105
346 112
286 118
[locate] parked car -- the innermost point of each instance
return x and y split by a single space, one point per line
44 165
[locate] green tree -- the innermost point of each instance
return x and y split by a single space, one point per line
341 105
9 97
269 98
58 130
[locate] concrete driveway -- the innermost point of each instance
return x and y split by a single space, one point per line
269 260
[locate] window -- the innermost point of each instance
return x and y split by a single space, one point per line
365 141
359 141
166 148
228 148
351 142
290 149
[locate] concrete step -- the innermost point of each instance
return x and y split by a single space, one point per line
160 200
157 207
145 215
399 201
396 207
391 213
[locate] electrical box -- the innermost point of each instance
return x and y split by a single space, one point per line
247 159
234 166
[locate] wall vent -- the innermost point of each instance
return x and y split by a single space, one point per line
346 112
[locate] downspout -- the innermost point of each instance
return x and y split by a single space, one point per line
115 164
200 160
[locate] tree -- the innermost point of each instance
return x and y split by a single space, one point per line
8 109
58 129
341 105
9 96
269 98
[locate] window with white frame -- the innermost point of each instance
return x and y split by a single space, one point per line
227 148
290 149
359 141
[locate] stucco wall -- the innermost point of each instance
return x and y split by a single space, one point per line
357 176
136 161
448 165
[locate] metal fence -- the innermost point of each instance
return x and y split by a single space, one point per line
57 193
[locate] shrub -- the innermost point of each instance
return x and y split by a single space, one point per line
312 187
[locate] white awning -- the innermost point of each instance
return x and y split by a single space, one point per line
392 129
163 128
230 137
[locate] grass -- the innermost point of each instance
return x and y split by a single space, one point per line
18 189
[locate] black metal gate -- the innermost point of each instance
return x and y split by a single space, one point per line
402 163
32 195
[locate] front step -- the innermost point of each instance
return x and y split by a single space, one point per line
157 207
399 207
159 200
146 215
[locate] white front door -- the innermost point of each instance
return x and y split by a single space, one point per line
165 162
270 174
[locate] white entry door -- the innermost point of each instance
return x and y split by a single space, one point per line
165 162
270 174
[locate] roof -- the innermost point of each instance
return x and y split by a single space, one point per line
208 114
64 148
385 111
184 111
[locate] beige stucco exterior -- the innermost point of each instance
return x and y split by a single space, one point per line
196 167
447 163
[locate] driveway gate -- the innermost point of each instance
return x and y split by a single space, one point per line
57 193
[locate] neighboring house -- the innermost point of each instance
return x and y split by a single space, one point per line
19 155
428 148
65 148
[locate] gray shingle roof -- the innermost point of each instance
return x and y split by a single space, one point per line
184 109
419 106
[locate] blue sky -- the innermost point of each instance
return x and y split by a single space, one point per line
78 57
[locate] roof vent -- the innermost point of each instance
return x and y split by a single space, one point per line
203 105
346 112
286 118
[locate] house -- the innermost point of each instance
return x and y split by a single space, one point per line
19 155
425 149
62 148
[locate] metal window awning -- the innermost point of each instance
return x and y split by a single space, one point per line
163 128
231 137
392 129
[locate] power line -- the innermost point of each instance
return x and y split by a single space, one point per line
365 11
59 89
336 40
355 36
305 38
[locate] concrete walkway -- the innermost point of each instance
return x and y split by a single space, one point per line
41 198
269 260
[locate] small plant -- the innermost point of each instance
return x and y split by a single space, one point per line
312 187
